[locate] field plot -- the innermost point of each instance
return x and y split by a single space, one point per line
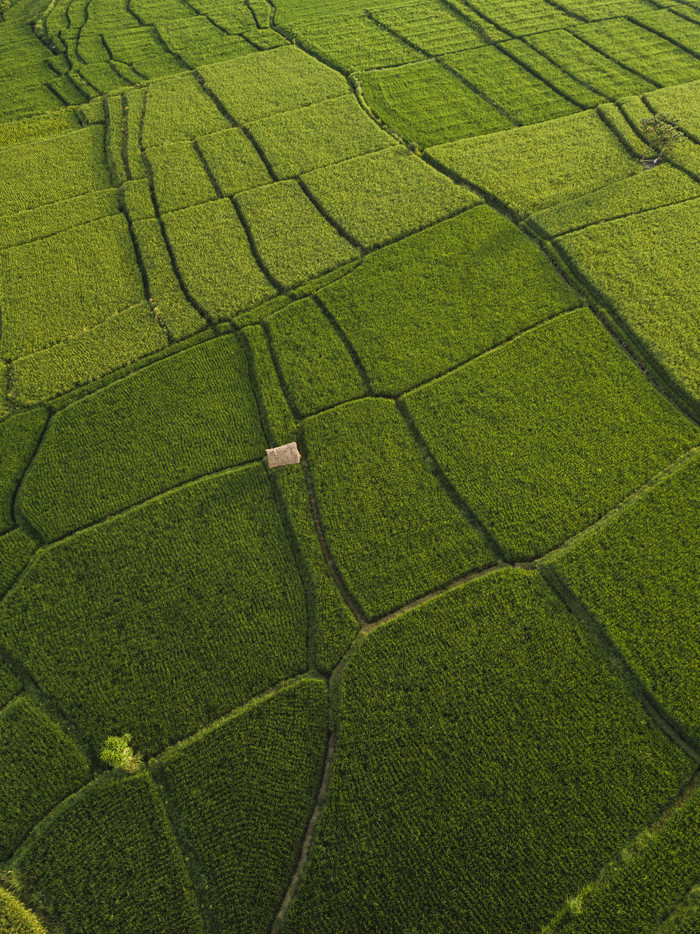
644 591
538 473
240 795
399 536
438 674
432 301
480 736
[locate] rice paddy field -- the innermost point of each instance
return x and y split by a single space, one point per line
440 674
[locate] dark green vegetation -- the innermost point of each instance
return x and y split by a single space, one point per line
441 676
453 720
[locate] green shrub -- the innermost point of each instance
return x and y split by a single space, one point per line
386 195
294 241
422 306
240 796
188 415
108 862
393 531
39 766
536 474
480 738
164 618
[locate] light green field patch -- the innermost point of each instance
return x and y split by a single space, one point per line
383 196
230 280
178 108
639 576
546 452
391 528
92 272
421 306
36 223
660 249
536 167
179 178
295 242
15 918
178 611
271 82
298 141
234 161
188 415
480 738
427 105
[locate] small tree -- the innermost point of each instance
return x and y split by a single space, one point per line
663 135
118 753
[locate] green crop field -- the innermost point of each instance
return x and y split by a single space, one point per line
349 466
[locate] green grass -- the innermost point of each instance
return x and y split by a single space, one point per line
656 250
177 108
642 51
536 167
634 195
179 178
10 685
231 280
240 796
293 239
352 43
525 18
55 287
643 891
234 162
188 415
15 918
638 576
333 624
507 84
278 422
41 171
544 453
51 219
177 612
393 531
16 550
681 101
109 862
439 28
258 86
480 739
427 105
19 438
386 195
428 303
41 126
39 767
316 367
299 141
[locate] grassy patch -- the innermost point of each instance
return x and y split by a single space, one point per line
298 141
639 577
545 453
531 168
16 550
295 242
51 219
165 618
179 178
234 162
39 766
386 195
660 250
240 797
177 108
108 861
428 105
19 437
15 918
432 301
479 739
186 416
393 531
